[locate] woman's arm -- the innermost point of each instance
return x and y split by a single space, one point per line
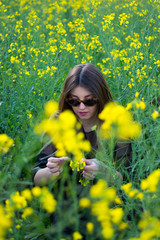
52 170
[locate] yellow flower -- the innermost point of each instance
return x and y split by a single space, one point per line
129 106
98 189
18 200
118 201
51 108
18 226
5 222
155 114
132 193
117 215
63 133
151 182
127 187
36 191
90 227
107 232
140 195
122 226
136 94
27 194
77 236
5 143
141 105
118 122
47 200
84 202
27 212
110 194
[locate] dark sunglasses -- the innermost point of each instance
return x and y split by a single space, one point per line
87 102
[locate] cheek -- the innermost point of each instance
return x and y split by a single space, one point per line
74 109
95 110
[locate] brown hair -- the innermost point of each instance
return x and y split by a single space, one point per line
90 77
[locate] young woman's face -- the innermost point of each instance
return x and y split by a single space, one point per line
83 111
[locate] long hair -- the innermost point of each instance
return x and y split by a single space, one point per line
90 77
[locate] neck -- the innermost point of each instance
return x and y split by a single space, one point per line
88 124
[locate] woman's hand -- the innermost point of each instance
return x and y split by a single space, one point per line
55 165
90 169
53 168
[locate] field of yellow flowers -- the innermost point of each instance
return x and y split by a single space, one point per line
40 42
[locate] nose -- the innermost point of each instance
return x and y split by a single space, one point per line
81 106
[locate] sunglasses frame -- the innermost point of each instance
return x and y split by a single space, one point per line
82 101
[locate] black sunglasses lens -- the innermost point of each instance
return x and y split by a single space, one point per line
90 102
73 102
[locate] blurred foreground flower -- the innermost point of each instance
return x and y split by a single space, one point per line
5 222
151 182
5 143
77 236
155 114
63 131
101 205
118 123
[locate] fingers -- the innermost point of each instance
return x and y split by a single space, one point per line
90 169
55 164
57 160
91 165
89 175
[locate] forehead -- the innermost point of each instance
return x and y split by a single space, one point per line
80 92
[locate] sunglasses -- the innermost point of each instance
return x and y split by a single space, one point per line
88 102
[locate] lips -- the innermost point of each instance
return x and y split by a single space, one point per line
83 113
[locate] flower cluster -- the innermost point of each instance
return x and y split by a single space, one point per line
5 222
118 122
149 226
63 130
20 201
136 103
131 191
5 143
151 182
100 204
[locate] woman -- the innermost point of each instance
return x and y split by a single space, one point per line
85 93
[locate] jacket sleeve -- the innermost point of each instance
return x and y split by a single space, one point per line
41 160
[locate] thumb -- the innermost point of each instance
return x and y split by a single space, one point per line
87 161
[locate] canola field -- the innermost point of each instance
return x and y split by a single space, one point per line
40 42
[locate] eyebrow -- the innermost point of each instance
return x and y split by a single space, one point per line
84 96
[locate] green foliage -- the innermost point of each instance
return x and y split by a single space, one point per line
40 42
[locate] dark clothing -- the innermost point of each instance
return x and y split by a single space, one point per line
122 153
68 192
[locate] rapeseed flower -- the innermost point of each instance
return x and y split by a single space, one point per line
103 197
5 223
155 114
98 189
84 203
151 182
27 194
18 201
118 122
90 227
62 130
141 105
27 212
47 200
5 143
116 214
77 236
36 191
132 192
